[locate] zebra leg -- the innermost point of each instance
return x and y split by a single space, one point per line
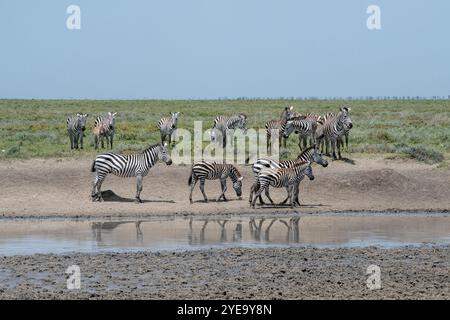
111 140
287 198
71 140
223 186
297 193
333 148
346 142
268 195
258 194
138 188
202 189
291 195
193 183
96 190
75 140
338 143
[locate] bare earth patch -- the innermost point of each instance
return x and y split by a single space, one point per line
62 188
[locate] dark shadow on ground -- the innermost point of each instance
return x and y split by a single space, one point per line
110 196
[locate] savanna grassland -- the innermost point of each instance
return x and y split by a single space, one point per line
397 128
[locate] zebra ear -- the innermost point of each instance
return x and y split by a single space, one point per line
114 114
240 178
86 114
291 108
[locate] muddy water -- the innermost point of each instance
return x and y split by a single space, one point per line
27 237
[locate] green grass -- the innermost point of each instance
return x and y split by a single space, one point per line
36 128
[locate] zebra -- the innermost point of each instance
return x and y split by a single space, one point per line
334 128
101 132
76 125
167 125
311 154
279 125
304 128
110 121
324 141
202 170
278 178
224 125
133 165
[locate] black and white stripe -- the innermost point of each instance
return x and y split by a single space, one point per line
202 170
134 165
334 129
278 126
311 154
76 125
304 128
167 125
224 126
278 178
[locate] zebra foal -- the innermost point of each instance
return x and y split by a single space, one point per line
202 170
133 165
108 122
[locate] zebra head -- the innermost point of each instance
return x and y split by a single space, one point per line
174 117
111 120
243 122
316 157
81 119
288 129
345 118
287 113
237 185
163 154
308 172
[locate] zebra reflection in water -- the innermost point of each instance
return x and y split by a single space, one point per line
98 227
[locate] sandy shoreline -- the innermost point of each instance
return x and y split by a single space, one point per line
61 188
293 273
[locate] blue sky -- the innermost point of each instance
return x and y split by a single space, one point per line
199 49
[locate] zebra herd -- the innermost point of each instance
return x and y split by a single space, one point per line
322 131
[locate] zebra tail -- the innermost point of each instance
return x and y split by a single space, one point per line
190 179
93 166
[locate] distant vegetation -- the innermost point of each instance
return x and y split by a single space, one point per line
417 129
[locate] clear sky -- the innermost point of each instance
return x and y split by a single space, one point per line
176 49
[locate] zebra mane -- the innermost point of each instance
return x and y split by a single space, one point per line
306 151
153 146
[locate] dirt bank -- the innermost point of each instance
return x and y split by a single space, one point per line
407 273
62 188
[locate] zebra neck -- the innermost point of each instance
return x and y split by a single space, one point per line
150 156
232 122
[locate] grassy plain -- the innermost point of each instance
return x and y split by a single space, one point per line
398 128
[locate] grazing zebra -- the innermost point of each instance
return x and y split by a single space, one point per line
202 170
279 125
334 128
225 125
167 125
304 128
76 125
134 165
311 154
278 178
110 121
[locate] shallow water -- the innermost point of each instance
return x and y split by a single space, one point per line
26 237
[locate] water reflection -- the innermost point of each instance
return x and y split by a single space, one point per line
27 237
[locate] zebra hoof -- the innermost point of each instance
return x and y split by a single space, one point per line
138 200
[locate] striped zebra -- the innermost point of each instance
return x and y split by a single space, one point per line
278 178
311 154
325 144
202 170
225 126
109 120
280 126
101 132
167 125
304 128
133 165
334 129
76 125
